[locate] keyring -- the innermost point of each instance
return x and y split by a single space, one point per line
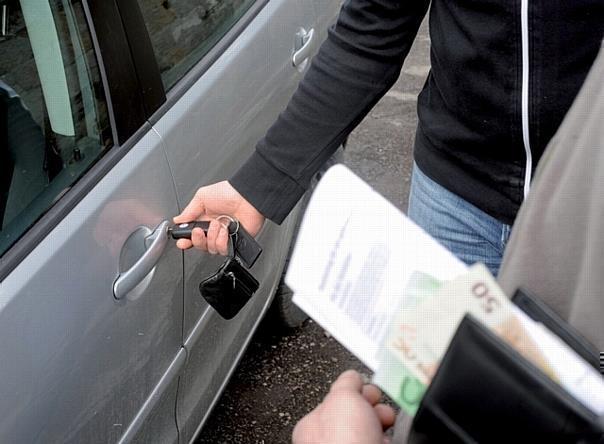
231 220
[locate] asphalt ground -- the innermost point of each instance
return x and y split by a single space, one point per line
281 378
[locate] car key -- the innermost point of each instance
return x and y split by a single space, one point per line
184 231
244 243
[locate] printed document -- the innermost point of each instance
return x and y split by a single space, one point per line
353 257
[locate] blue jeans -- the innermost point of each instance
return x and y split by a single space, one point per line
471 234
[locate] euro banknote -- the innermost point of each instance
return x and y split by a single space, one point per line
419 336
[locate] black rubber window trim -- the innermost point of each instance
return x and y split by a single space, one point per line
143 57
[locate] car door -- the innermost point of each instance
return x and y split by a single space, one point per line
227 68
91 304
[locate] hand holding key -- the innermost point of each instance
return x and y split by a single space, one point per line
210 202
232 285
243 243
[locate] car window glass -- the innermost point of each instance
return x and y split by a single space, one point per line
182 32
53 116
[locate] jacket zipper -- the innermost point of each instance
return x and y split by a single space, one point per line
525 95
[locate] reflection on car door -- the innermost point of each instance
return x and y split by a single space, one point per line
222 96
78 364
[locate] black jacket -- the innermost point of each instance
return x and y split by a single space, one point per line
504 73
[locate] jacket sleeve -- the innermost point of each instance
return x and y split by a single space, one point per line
356 65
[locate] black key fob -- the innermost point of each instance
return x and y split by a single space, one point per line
246 247
229 289
184 231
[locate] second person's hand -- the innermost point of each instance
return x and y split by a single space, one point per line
210 202
349 414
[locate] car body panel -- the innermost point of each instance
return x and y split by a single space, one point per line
208 133
80 366
76 363
326 12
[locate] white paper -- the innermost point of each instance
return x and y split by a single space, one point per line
353 257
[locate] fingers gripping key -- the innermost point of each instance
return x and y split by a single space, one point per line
244 243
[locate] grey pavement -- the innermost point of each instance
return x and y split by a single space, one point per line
280 379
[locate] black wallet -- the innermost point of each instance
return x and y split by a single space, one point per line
229 289
485 391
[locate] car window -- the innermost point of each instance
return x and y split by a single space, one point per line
182 32
53 116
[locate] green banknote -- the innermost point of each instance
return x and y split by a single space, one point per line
398 382
393 375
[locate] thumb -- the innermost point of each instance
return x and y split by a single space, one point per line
195 209
349 381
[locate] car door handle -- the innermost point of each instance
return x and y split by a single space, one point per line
155 244
305 42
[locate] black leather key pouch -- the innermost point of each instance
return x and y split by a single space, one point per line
229 289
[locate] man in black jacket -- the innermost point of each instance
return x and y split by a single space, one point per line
503 75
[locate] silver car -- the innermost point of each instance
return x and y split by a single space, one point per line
112 114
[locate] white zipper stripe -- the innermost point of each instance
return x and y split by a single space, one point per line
525 95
